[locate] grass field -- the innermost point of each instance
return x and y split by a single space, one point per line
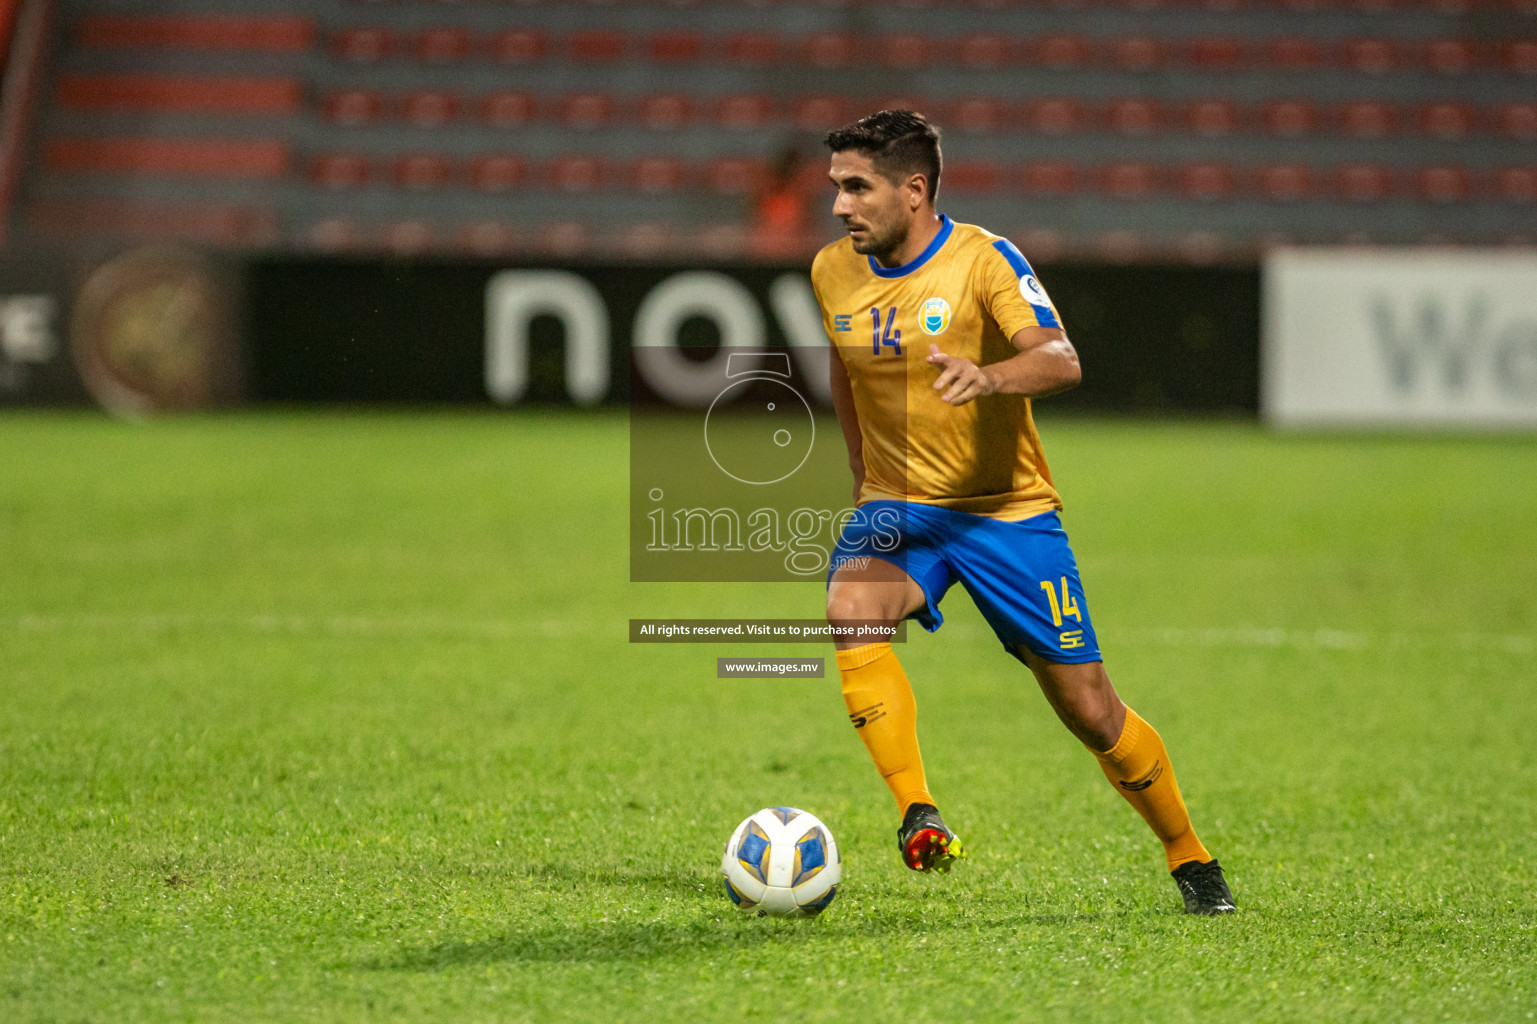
332 717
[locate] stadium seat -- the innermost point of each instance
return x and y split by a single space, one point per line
1446 120
365 44
976 115
576 173
743 113
821 113
1059 52
196 32
488 238
1370 56
1449 56
566 239
352 106
733 175
586 111
984 51
1121 246
754 49
646 241
1289 119
431 109
198 158
1293 53
972 176
1216 53
1364 183
664 112
1443 184
517 46
1206 181
828 49
421 171
1136 53
596 47
1519 57
1517 121
340 170
442 45
220 225
1516 184
1366 119
931 109
146 93
334 234
408 237
498 172
1134 117
904 50
1212 118
1042 245
1286 182
679 47
1055 116
508 109
1049 178
657 174
1129 180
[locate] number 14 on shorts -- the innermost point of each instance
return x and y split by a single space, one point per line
1061 608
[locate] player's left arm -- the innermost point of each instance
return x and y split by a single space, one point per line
1046 364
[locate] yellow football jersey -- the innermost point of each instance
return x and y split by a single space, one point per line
969 292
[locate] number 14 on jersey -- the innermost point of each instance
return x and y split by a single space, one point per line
890 337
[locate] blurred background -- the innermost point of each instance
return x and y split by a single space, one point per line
336 175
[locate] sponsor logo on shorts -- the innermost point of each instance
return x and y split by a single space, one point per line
1071 639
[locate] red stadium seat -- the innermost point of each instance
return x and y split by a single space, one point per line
421 171
984 51
1216 54
1287 182
1293 54
408 237
429 109
488 238
821 113
576 173
1370 56
365 44
644 241
905 50
197 158
352 106
1055 116
675 47
566 239
1450 56
744 113
1059 52
1206 181
585 111
517 46
196 32
597 47
733 175
1129 180
829 49
1516 184
1443 184
1367 119
498 172
508 109
1446 120
340 170
1049 178
191 94
220 225
1134 117
976 115
1519 56
442 45
666 112
335 234
1289 119
902 101
972 176
1364 183
755 49
1136 53
1212 118
657 174
1517 121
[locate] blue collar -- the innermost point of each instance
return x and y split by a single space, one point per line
946 225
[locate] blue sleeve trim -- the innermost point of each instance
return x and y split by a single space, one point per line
1044 314
945 227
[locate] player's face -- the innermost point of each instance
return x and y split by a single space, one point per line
875 211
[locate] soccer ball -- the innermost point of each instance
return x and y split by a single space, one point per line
782 862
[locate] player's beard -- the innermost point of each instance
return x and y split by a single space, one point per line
878 245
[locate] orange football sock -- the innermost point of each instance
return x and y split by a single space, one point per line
882 708
1138 767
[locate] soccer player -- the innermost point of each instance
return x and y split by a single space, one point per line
943 336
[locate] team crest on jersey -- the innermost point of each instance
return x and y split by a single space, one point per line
1032 291
935 318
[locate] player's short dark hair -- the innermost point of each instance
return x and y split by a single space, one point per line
898 143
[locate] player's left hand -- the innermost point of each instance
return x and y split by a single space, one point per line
963 378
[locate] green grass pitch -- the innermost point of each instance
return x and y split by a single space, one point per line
333 718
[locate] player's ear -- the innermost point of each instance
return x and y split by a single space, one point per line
917 188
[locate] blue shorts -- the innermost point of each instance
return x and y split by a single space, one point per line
1021 575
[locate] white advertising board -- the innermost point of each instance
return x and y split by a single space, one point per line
1354 337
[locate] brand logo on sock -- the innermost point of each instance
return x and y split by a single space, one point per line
868 715
1138 785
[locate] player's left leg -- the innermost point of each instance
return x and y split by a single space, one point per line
1134 759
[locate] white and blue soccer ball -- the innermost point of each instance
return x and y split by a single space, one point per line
782 862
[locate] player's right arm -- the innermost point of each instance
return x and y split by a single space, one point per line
848 419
